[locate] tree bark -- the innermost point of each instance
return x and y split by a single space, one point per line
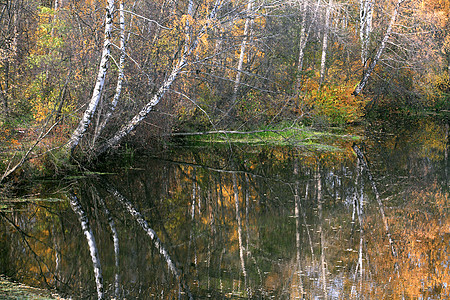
96 95
365 19
137 119
302 44
247 25
5 91
325 43
121 75
377 57
304 35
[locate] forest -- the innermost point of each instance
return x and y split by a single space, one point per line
79 78
225 149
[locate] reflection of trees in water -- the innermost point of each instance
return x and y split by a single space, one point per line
276 225
86 228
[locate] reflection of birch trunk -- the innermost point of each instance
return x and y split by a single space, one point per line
247 219
153 236
297 205
76 207
322 237
191 234
101 76
194 194
239 223
306 224
115 236
377 197
377 57
358 200
57 258
446 153
325 42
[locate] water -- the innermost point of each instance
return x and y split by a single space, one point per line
246 222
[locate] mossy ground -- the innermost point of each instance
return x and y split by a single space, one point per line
11 290
306 137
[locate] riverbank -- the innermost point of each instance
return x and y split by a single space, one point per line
10 290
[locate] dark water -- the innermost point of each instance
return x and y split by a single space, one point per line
246 222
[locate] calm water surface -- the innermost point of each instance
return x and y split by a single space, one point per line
250 222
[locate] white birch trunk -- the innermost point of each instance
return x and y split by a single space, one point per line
365 18
375 60
131 125
325 42
304 35
120 77
302 44
89 112
237 80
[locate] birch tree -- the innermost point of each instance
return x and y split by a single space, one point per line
101 76
365 28
189 46
325 42
247 27
110 110
380 50
304 36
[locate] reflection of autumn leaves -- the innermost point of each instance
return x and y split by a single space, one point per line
421 230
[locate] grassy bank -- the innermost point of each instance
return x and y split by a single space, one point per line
300 137
17 291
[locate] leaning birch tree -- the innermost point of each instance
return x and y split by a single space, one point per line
380 50
100 83
190 41
190 44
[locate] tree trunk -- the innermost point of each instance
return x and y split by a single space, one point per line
131 125
325 43
137 119
247 25
304 35
365 19
121 75
375 60
5 91
302 44
96 95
